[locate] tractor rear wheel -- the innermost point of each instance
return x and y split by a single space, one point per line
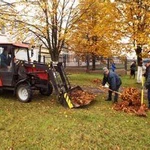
24 93
48 91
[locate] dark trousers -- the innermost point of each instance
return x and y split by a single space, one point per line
148 97
132 73
116 95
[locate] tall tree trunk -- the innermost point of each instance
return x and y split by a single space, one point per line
108 63
93 62
125 66
54 55
87 63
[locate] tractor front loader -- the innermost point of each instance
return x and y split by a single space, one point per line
67 95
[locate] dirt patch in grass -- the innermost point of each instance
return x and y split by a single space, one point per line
92 90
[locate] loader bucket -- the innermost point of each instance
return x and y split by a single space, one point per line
76 97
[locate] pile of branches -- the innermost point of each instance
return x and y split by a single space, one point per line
81 98
131 102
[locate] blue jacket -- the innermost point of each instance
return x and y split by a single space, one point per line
113 67
113 80
147 77
3 60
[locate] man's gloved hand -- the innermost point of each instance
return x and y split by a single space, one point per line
8 67
106 86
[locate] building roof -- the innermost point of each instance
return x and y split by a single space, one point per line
20 45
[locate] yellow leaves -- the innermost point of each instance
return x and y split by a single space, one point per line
137 21
99 22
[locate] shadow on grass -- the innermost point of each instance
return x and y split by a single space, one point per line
8 95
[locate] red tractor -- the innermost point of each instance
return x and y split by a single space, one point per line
19 74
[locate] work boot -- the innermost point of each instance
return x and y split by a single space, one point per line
115 101
108 99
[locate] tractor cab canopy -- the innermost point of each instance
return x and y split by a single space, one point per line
9 51
17 45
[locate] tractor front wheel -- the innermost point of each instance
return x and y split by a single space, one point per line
48 91
24 93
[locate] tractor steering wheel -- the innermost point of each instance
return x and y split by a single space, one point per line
17 61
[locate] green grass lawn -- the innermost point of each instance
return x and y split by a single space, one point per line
44 124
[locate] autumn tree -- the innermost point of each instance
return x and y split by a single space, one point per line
95 32
136 26
5 11
45 21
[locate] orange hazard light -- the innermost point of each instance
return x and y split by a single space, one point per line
1 83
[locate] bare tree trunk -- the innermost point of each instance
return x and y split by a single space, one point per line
93 62
87 63
108 63
125 65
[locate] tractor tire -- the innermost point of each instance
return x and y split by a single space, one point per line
48 91
24 93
